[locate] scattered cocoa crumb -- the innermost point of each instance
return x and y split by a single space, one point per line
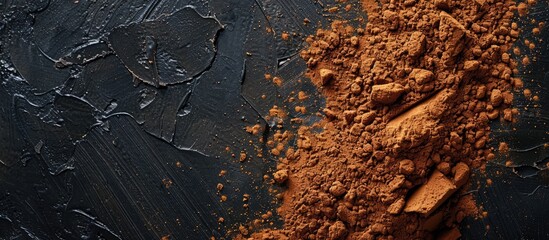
277 81
281 176
302 95
527 93
503 147
526 61
242 157
522 9
285 36
167 182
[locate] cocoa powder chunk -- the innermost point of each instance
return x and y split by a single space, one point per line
366 65
496 98
431 194
421 75
397 182
461 174
396 207
367 118
471 65
281 176
392 19
337 231
452 33
326 75
337 189
406 166
416 44
386 93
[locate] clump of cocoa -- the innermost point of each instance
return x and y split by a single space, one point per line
409 99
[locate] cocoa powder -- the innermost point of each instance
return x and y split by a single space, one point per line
409 99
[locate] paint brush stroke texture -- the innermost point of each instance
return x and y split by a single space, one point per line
116 114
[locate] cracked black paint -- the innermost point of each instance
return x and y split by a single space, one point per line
104 101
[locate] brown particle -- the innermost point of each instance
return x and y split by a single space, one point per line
167 182
503 147
470 66
396 207
277 81
337 189
302 95
526 61
243 230
527 93
246 197
496 98
326 75
522 8
242 157
386 93
300 109
281 176
406 166
348 7
285 36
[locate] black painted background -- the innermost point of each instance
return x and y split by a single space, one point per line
104 101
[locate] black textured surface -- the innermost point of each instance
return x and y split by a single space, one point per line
116 115
517 200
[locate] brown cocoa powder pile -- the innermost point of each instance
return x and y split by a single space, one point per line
409 100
